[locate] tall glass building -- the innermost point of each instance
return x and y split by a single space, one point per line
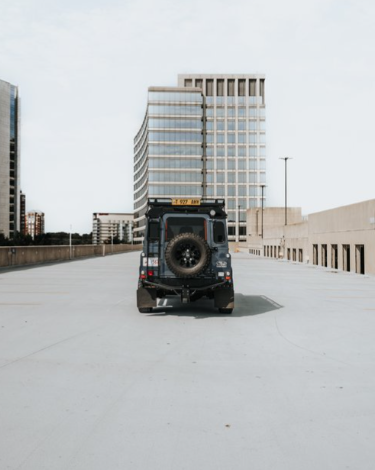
168 149
9 159
206 137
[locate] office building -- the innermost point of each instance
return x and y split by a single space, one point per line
9 159
35 223
107 226
204 138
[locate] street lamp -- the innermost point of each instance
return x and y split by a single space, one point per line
239 216
262 186
286 187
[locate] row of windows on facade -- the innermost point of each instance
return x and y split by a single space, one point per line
197 190
221 138
231 86
221 125
191 110
197 177
241 177
185 163
195 150
182 163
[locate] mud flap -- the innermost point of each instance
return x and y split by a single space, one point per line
224 297
146 298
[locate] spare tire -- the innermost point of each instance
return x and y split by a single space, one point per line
187 255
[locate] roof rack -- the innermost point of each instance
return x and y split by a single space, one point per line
157 207
165 201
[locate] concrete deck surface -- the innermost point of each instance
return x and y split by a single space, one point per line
88 383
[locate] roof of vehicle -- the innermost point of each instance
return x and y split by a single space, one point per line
157 207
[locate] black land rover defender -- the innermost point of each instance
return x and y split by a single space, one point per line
185 253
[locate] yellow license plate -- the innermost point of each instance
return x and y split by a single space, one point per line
186 202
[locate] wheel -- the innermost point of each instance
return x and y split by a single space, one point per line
145 310
226 310
187 255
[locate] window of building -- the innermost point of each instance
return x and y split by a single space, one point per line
252 111
242 178
220 177
231 177
242 151
241 112
242 125
220 87
253 151
220 138
231 151
220 112
188 82
231 138
220 151
231 112
220 125
231 87
209 87
261 89
220 191
220 164
242 138
315 255
242 190
199 83
231 190
210 125
241 87
252 87
231 164
231 203
231 125
242 164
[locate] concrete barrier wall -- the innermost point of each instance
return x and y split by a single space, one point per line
25 255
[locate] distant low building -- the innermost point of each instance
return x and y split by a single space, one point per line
339 239
35 223
107 226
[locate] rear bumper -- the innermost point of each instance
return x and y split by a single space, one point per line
159 285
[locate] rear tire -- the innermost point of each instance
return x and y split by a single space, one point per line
145 310
228 311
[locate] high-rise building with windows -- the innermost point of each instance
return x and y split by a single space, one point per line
9 159
205 138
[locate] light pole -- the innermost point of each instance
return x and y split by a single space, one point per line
239 208
286 186
70 242
262 186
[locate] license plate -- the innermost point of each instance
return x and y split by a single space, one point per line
186 202
153 262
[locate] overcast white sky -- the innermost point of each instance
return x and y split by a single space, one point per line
84 66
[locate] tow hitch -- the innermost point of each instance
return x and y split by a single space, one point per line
185 295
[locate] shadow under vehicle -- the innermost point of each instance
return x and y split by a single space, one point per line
186 254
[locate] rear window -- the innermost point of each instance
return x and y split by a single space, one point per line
177 225
219 232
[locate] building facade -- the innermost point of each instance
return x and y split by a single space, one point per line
204 138
9 159
35 223
106 226
339 239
